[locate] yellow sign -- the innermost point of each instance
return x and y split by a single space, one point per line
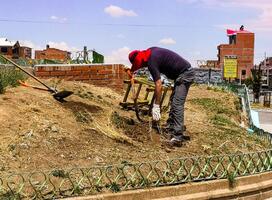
230 67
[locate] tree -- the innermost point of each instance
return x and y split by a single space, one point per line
256 82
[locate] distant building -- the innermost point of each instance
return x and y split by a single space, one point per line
210 64
266 67
241 46
52 54
21 51
14 50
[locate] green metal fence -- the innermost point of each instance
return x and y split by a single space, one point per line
243 92
61 183
87 181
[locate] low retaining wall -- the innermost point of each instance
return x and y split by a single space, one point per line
250 187
110 75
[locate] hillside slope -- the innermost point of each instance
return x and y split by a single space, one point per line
38 132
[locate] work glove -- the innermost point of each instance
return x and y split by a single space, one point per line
156 112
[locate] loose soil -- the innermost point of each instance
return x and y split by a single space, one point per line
90 128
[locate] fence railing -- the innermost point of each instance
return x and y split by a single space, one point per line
114 178
242 92
61 183
260 132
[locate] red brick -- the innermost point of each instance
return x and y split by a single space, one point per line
42 73
41 69
57 73
90 72
81 77
98 76
73 73
80 68
105 71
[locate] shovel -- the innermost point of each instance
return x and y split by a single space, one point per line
59 96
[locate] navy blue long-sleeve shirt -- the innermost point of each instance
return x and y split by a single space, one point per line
167 62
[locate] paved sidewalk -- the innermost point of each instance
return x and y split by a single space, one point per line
265 119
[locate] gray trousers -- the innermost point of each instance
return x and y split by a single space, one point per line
182 84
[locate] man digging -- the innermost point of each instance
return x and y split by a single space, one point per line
160 60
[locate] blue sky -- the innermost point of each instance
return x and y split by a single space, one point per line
193 28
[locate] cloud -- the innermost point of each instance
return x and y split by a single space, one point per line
167 41
116 11
28 43
118 56
58 19
62 46
261 22
121 36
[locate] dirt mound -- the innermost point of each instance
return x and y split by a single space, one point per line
38 132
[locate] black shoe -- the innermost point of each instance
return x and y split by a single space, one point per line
167 134
174 142
186 137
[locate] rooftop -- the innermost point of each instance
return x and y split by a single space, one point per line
5 42
234 32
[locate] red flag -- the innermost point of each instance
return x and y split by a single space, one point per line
231 32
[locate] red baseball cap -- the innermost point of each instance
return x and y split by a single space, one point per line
137 57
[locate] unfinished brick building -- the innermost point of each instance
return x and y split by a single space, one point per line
241 45
52 54
14 50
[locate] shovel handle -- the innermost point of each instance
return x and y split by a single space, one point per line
31 75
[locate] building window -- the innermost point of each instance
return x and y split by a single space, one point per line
243 72
4 49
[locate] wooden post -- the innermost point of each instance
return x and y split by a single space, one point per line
127 92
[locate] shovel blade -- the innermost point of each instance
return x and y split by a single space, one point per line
62 94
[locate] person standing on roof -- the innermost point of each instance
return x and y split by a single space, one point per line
160 60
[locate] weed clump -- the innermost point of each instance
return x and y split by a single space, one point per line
221 120
83 116
9 77
121 122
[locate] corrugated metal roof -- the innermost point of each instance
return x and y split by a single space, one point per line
5 42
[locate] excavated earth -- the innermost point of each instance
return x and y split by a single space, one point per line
90 128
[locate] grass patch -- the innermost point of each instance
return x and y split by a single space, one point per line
60 173
212 105
9 77
222 120
217 89
83 116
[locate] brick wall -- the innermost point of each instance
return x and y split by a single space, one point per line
52 54
109 75
243 49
